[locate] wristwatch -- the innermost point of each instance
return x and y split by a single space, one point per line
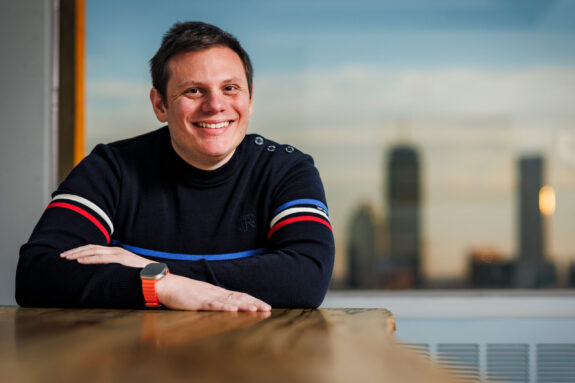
150 275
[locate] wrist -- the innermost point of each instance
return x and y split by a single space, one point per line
162 287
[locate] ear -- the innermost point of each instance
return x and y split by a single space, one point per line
251 103
160 108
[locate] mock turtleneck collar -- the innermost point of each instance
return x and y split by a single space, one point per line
183 172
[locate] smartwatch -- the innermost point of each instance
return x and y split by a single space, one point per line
149 275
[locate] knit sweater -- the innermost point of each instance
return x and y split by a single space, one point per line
259 224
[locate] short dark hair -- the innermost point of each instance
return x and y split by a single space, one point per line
188 37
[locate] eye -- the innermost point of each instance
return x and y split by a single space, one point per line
231 88
192 91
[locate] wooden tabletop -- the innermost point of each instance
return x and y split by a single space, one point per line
328 345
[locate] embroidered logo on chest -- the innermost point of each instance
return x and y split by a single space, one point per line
247 222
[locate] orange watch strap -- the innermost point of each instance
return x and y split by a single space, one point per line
149 290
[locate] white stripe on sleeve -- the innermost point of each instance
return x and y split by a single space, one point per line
89 204
295 210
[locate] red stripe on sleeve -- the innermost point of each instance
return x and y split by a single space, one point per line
283 223
85 214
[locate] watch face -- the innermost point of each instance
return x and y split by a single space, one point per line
154 271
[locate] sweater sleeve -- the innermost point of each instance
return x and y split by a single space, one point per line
296 269
81 212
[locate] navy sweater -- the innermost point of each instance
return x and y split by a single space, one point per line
259 224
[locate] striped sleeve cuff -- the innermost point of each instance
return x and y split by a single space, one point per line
300 210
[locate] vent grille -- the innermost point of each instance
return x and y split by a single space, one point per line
503 362
508 362
555 363
462 359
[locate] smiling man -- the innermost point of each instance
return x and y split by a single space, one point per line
197 215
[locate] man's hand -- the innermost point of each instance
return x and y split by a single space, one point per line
181 293
95 254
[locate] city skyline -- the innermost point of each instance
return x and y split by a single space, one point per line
384 247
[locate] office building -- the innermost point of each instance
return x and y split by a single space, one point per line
532 269
403 202
361 249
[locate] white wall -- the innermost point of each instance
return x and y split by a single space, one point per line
27 125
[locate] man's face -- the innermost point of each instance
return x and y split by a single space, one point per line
208 105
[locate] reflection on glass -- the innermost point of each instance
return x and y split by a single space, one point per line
547 200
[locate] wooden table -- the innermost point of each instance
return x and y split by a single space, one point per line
328 345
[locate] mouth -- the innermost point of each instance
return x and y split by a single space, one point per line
210 125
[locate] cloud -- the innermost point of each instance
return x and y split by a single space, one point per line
118 89
116 109
366 93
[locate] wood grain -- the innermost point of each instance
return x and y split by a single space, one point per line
335 345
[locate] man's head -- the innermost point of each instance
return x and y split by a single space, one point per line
188 37
203 90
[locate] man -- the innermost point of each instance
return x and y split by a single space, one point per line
196 215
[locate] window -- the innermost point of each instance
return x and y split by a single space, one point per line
444 131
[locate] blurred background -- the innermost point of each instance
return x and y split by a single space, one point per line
444 130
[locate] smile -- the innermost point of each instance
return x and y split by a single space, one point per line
206 125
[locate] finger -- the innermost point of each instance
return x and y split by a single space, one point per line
264 307
251 303
75 249
94 259
248 303
77 254
82 251
220 306
225 300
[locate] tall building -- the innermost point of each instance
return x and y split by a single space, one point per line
362 247
531 233
404 212
531 267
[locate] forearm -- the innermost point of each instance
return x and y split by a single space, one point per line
43 279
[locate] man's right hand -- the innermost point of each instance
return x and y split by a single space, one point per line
181 293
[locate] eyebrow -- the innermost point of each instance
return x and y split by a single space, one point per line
187 83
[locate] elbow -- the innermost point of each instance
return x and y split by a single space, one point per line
22 299
310 298
313 298
307 292
31 288
310 302
24 295
312 288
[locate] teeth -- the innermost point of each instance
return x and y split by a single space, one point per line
213 126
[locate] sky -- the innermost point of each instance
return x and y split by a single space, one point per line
473 84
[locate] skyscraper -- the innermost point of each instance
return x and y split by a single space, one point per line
532 269
531 234
404 210
362 247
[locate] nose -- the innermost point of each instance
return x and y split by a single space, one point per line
213 103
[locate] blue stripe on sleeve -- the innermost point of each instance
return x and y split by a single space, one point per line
303 201
189 257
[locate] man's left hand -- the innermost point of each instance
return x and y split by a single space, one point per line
95 254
